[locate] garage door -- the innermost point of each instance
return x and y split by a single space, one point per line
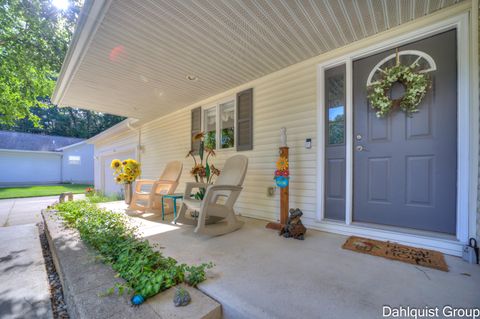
109 187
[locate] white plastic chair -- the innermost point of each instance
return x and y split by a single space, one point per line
166 184
217 204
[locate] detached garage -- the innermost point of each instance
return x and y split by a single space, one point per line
30 159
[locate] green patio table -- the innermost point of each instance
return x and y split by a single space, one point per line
174 198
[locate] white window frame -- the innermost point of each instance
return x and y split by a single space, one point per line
216 105
467 137
74 160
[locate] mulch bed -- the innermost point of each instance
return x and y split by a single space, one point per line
59 306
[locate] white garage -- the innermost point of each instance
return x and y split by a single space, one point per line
33 159
110 145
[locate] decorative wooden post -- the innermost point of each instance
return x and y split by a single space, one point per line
284 205
284 193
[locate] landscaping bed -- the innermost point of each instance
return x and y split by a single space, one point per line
146 271
111 263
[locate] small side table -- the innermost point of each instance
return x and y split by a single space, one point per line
174 198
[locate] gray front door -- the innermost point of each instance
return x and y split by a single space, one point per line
405 167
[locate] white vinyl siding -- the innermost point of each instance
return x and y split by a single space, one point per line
77 164
28 168
284 99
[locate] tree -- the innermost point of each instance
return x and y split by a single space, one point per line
34 38
65 121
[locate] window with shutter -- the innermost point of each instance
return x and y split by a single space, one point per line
245 120
196 127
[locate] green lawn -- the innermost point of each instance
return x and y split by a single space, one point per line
43 190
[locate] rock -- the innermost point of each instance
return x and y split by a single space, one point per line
60 310
181 297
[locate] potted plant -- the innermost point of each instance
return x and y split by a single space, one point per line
203 173
126 172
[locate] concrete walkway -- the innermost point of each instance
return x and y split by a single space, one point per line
258 274
24 288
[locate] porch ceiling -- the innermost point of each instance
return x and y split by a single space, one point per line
131 57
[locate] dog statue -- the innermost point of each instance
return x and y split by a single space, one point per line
294 227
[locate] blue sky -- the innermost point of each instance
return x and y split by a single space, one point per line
334 112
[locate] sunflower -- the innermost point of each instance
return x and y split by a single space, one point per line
282 163
132 162
118 179
116 164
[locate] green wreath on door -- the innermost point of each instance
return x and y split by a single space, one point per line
416 86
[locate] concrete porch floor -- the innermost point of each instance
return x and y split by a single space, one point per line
258 274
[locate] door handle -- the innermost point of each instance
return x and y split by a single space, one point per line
359 148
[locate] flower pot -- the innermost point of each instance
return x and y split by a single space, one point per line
127 192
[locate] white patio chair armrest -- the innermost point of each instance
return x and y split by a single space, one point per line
145 181
159 183
214 191
141 182
191 185
162 181
213 188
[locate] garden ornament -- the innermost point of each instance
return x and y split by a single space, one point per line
294 227
181 297
137 300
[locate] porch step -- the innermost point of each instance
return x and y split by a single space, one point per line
84 279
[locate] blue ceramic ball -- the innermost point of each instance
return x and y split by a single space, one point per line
137 300
281 181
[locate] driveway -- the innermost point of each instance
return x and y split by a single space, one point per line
22 211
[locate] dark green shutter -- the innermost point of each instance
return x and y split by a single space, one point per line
245 120
196 127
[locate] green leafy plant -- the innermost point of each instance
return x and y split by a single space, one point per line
227 137
97 196
145 270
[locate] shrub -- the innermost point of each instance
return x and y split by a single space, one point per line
96 196
146 271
